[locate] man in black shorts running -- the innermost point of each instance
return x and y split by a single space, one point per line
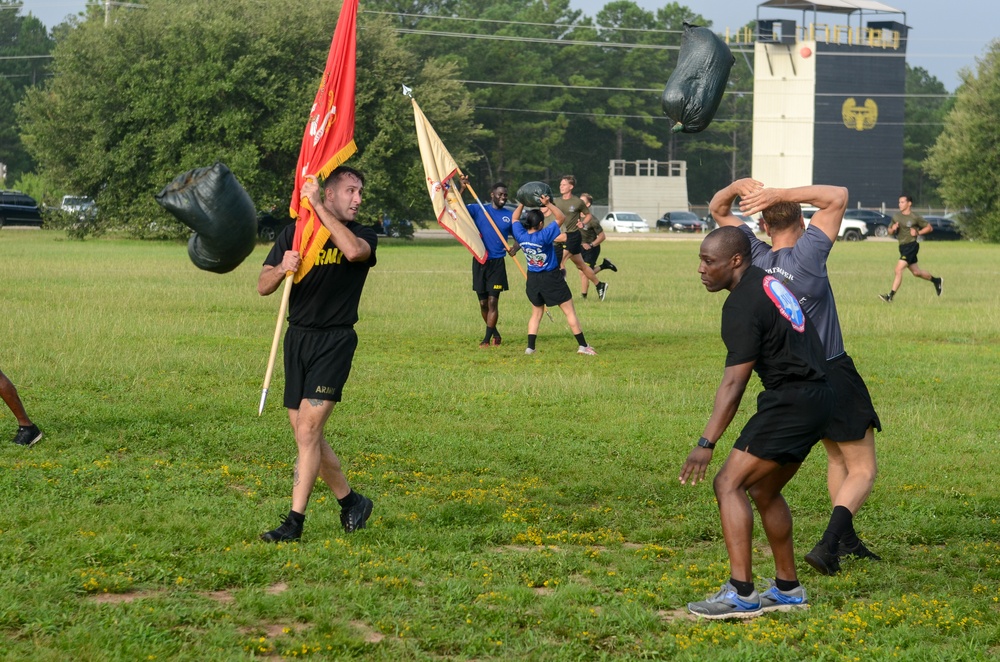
908 226
573 208
591 237
798 258
320 341
765 331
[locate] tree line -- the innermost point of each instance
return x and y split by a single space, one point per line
519 91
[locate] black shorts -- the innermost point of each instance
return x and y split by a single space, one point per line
574 243
317 364
590 255
489 279
788 423
853 411
908 252
547 288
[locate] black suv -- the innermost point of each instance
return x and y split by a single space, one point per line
877 222
16 208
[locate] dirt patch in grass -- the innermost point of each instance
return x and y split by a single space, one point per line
274 630
679 614
122 598
370 634
222 597
525 548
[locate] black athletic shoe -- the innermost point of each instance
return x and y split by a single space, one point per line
287 532
602 289
859 551
27 435
356 516
608 265
885 297
823 560
938 285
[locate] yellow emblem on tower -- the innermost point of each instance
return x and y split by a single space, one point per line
859 118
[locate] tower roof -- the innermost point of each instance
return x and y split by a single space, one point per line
833 6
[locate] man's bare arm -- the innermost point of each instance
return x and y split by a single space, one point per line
722 202
831 202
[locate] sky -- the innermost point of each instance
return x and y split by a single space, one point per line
945 35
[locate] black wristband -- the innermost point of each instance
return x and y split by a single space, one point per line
705 443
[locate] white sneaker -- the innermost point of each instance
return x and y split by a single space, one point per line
588 350
529 351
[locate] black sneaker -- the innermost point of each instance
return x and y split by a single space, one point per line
608 265
824 561
938 284
27 435
602 289
885 297
859 551
356 516
286 532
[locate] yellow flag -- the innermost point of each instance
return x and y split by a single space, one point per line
440 169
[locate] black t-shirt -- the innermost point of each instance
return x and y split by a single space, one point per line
762 321
329 294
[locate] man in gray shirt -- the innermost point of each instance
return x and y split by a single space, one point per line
798 257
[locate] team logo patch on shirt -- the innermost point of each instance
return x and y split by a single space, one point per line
785 302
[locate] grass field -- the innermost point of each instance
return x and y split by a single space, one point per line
525 507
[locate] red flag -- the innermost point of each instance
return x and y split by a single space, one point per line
329 136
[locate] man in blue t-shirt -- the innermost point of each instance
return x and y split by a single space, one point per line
798 258
490 278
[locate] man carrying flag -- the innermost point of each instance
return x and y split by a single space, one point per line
320 341
329 254
489 279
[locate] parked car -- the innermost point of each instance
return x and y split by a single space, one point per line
681 221
270 223
711 223
877 222
18 208
851 229
624 221
81 205
945 229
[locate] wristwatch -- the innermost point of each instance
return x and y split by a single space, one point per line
705 443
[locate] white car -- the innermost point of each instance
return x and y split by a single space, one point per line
81 205
624 221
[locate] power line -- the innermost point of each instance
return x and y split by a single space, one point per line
667 119
564 26
569 86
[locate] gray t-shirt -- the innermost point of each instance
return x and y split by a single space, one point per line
802 268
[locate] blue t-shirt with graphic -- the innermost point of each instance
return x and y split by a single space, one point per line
539 247
501 217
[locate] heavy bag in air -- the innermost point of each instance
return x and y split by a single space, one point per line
212 203
695 88
530 194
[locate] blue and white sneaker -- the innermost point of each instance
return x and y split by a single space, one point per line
727 603
774 599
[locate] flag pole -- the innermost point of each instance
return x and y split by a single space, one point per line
277 336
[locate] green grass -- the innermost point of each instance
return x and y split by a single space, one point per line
526 507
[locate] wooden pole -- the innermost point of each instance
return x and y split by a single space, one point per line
277 336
